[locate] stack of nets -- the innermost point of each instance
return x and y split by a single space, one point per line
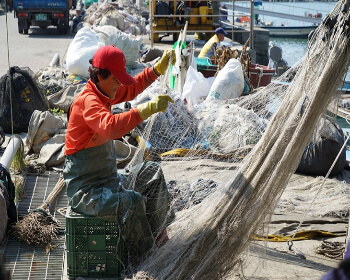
252 145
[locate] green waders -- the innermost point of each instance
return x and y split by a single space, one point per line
137 199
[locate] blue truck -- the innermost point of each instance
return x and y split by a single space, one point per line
42 13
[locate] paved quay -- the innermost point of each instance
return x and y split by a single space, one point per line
34 50
37 49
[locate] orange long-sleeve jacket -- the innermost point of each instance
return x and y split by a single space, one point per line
91 122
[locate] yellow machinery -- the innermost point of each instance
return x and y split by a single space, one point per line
166 20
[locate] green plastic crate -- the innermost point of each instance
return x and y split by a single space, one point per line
204 63
91 245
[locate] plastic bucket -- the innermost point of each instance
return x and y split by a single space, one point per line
194 20
203 10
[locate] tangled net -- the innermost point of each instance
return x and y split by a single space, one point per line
209 238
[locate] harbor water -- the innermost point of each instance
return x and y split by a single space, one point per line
293 48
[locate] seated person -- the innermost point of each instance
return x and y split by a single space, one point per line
209 48
138 199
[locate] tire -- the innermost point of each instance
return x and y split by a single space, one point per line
20 30
71 31
63 31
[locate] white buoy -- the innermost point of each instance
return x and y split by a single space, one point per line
10 151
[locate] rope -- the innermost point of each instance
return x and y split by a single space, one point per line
260 74
333 250
129 153
301 235
302 105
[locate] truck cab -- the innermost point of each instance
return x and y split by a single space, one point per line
42 13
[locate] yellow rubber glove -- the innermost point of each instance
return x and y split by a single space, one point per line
157 104
162 63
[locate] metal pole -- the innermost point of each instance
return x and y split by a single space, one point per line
151 22
233 19
10 151
251 24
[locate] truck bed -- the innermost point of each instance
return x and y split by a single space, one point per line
40 4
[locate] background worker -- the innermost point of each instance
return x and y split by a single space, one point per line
209 48
223 13
78 18
138 200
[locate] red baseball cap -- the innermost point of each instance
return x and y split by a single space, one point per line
111 58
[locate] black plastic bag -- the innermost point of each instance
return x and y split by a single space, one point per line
7 188
26 96
320 154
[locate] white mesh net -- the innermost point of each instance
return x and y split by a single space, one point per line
230 161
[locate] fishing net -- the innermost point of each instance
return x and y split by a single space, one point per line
228 162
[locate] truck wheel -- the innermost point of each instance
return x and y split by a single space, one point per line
25 31
63 31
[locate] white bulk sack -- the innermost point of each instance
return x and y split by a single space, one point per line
229 83
130 45
115 19
196 87
81 50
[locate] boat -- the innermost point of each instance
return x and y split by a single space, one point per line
338 111
340 107
289 31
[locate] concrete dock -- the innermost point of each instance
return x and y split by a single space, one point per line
37 49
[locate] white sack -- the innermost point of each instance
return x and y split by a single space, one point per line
133 30
42 126
196 87
81 50
115 19
52 153
65 97
130 45
229 83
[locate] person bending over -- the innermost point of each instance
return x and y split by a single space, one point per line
138 199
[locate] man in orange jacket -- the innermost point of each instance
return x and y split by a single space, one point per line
138 199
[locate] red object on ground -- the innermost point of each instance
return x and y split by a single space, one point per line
260 75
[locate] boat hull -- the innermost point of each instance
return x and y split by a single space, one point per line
289 31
